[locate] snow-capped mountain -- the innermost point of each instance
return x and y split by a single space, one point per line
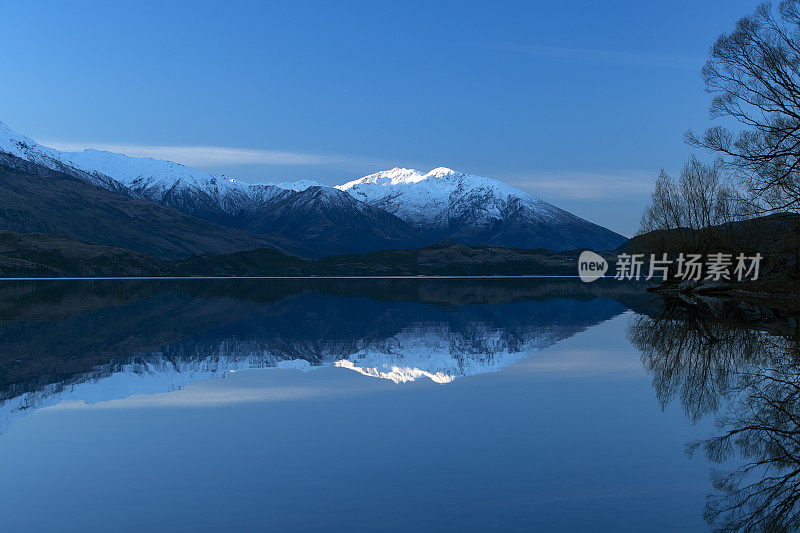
393 208
300 220
442 195
472 209
168 183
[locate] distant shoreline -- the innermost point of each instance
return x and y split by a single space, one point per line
533 276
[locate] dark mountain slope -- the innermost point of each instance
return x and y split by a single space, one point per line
260 262
35 199
520 227
39 255
779 232
330 221
439 260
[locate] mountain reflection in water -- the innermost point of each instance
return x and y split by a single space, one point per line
741 365
732 364
92 341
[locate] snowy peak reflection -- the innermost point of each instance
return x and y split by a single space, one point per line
102 342
444 352
395 373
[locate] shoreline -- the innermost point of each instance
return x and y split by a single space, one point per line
122 278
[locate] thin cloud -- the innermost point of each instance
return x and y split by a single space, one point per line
214 392
220 156
616 57
202 397
552 185
586 185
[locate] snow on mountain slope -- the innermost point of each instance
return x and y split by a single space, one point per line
299 186
26 148
164 182
124 169
474 209
441 195
441 204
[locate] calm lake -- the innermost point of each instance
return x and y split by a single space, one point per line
391 405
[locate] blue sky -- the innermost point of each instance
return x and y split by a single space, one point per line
579 103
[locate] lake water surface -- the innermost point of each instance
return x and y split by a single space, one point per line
362 405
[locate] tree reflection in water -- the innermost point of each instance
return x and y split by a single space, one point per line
732 361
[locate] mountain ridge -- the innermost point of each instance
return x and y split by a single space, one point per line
35 199
416 209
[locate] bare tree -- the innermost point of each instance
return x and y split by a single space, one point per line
679 211
754 75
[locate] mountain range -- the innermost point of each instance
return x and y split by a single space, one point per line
170 211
